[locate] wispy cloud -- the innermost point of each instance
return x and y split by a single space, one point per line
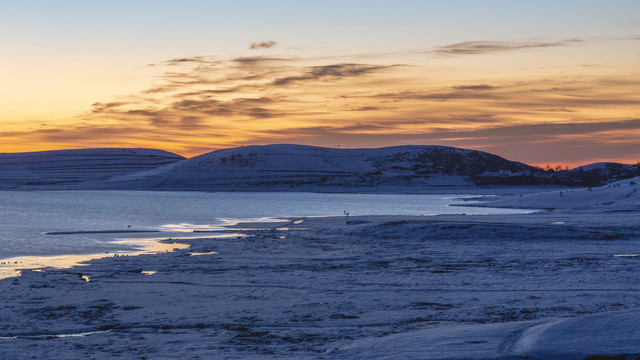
99 107
258 60
178 61
482 91
262 45
194 59
367 108
487 47
333 72
480 87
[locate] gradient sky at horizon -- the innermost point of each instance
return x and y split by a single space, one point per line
540 82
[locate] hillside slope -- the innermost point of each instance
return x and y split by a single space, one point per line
80 168
297 167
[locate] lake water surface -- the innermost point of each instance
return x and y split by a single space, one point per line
26 217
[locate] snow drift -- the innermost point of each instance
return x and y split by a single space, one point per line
619 196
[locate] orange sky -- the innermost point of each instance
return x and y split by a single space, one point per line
545 93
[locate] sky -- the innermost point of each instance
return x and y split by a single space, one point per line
541 82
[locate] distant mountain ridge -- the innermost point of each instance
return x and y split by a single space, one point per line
285 167
77 168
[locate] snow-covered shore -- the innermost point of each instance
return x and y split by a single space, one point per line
619 196
560 284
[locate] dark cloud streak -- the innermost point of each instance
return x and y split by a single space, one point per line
486 47
334 71
254 60
99 107
262 45
453 93
481 87
178 61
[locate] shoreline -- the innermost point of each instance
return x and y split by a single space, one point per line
429 190
11 266
14 266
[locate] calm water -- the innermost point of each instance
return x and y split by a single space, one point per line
25 217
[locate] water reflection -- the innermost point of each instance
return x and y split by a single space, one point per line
12 267
224 226
154 245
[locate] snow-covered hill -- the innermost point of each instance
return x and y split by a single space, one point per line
81 168
598 173
284 167
297 167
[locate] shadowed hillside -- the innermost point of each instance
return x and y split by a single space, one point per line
81 168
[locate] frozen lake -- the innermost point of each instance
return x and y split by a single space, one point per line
27 216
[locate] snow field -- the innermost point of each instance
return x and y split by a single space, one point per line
383 287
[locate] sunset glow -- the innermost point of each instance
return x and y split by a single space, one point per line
537 82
